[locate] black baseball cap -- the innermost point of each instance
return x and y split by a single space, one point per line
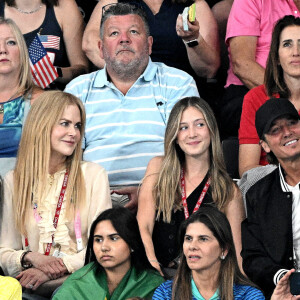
271 110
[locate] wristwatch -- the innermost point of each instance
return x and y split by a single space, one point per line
192 43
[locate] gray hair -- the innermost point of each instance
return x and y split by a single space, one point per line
122 9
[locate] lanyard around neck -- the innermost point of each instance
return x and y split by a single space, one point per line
57 213
183 195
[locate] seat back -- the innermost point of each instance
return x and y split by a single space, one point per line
230 148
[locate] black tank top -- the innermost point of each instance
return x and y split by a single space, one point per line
49 29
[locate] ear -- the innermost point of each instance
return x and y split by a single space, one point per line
100 46
150 43
265 146
225 252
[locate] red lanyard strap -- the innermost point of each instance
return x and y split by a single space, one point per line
57 212
183 195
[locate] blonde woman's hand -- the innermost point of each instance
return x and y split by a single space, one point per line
282 290
32 278
52 266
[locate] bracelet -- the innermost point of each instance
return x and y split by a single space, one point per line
22 260
154 260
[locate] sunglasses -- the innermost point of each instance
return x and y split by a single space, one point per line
110 7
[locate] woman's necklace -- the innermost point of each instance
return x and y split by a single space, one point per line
28 12
2 104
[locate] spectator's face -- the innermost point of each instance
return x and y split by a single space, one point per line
283 139
9 51
289 52
125 45
65 134
202 249
193 136
111 251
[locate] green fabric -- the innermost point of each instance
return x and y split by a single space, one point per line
88 283
196 294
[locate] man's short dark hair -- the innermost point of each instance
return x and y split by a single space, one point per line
122 9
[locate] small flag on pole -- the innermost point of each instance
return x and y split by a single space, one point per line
50 41
42 70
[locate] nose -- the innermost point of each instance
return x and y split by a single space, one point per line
105 246
192 131
286 130
124 38
193 245
296 50
72 131
3 48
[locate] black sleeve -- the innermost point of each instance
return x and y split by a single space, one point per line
257 263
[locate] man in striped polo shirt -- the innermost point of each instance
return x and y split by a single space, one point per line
129 101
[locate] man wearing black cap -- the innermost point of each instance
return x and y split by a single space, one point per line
271 232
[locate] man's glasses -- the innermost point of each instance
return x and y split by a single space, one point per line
110 8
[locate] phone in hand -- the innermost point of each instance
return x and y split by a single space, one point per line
189 14
295 283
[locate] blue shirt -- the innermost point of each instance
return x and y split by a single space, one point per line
123 132
240 292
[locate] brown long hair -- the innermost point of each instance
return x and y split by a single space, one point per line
229 274
167 192
274 78
30 174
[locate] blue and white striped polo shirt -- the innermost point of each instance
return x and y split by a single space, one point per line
123 132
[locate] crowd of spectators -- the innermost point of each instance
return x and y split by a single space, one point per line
113 182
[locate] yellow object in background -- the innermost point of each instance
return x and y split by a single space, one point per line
192 12
10 288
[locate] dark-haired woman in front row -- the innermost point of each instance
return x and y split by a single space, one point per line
208 266
116 266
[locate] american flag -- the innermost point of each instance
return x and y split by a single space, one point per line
42 70
50 41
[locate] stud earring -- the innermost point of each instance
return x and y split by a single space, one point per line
222 257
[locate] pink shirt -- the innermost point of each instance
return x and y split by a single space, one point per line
256 18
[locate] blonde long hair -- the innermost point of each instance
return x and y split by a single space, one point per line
25 83
167 191
30 174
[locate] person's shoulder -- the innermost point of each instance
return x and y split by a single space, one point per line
65 5
153 275
89 168
36 92
167 285
82 80
256 96
10 288
165 70
155 163
247 292
80 278
164 291
9 177
258 90
85 270
265 184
